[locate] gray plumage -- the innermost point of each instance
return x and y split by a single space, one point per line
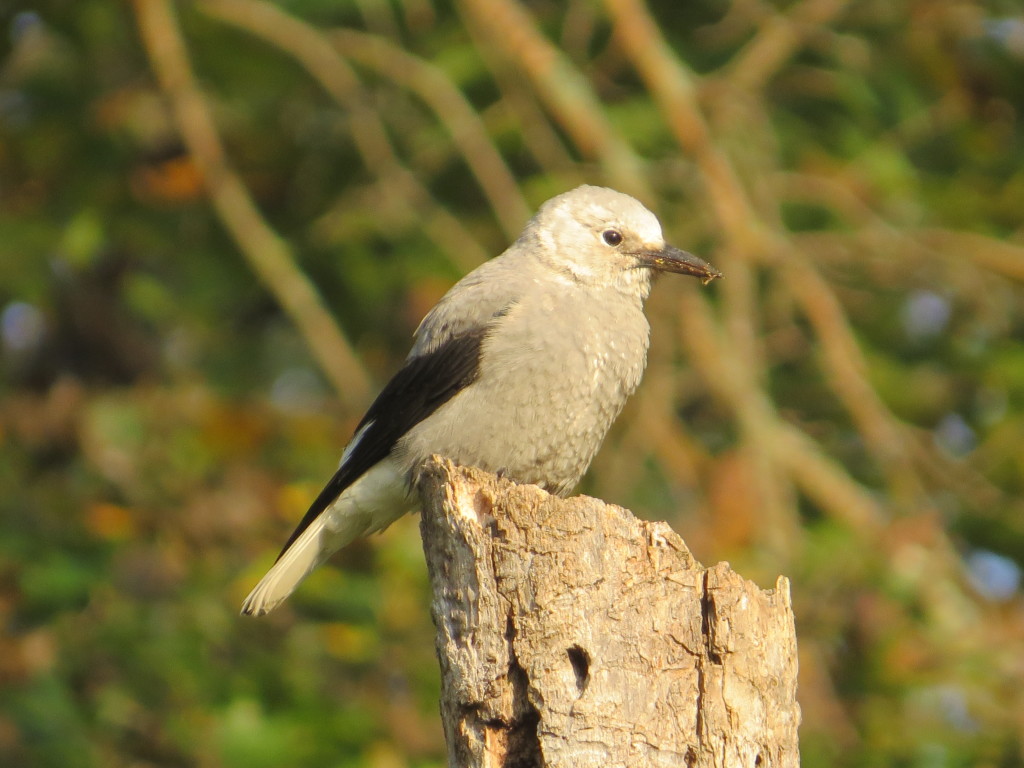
520 369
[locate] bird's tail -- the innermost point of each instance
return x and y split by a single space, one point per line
378 498
295 564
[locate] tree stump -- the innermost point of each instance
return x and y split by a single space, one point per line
571 634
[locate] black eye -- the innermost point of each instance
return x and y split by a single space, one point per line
612 236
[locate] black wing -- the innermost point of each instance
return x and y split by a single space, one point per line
423 385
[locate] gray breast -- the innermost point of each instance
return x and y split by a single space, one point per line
555 371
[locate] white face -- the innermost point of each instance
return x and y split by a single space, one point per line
594 235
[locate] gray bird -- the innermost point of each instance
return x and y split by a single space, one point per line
520 369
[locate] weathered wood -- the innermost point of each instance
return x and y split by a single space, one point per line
571 634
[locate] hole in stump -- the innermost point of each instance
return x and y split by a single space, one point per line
580 661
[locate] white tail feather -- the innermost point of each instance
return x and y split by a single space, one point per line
372 503
296 563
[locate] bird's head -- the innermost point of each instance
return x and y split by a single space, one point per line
597 236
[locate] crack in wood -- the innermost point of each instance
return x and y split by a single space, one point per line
707 612
523 745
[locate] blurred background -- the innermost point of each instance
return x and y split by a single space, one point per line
221 221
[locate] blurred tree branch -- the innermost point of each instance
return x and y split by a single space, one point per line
998 256
564 90
847 371
327 63
672 85
522 104
268 255
401 195
452 109
778 39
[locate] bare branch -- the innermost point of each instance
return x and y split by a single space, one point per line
564 90
406 196
268 255
788 448
522 105
847 371
672 85
453 110
779 38
999 256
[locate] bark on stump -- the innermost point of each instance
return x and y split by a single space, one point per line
571 634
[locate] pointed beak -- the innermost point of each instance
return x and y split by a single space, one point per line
670 259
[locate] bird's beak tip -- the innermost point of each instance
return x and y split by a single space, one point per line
713 274
671 259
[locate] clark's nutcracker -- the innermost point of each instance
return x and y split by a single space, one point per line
520 370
